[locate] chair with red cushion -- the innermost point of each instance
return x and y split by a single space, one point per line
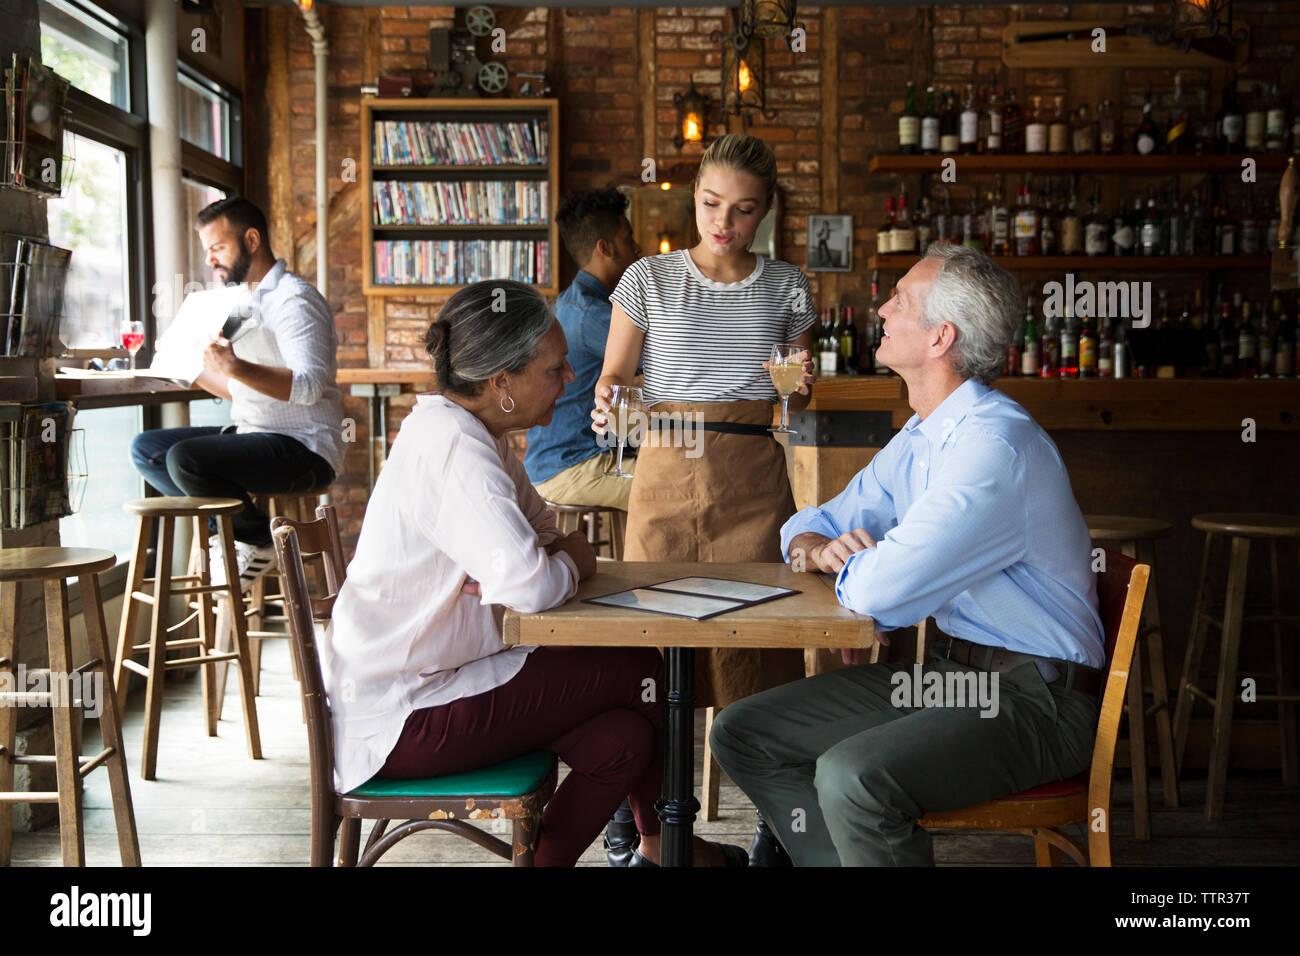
1085 799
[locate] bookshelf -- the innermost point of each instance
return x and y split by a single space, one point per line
425 223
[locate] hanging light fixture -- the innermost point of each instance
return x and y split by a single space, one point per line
744 79
692 116
1199 21
767 18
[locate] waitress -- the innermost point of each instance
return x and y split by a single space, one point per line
702 322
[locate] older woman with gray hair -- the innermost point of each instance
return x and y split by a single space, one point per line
966 516
419 681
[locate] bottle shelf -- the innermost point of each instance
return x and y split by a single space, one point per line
1147 264
1070 163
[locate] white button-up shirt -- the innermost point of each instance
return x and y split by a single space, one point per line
291 328
451 504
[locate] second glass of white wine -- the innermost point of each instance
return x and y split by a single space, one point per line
787 374
626 408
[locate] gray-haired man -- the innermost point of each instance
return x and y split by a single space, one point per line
967 515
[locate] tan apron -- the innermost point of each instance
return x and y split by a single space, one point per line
725 503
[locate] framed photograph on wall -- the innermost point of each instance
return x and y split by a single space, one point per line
830 243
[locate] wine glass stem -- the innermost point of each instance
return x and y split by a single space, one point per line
785 411
618 465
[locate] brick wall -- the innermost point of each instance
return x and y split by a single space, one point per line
593 60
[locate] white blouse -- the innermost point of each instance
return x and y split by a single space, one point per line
452 503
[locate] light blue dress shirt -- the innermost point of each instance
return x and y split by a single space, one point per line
976 525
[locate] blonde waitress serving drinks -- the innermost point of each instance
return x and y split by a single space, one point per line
703 322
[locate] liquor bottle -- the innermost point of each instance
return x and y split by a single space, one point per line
909 124
1226 230
1049 345
1069 353
969 236
1047 233
1087 350
1175 225
930 124
999 223
1247 345
1036 127
903 237
1123 238
1096 228
1015 349
949 125
1084 136
1151 233
924 227
946 225
1106 351
1178 138
1230 127
1123 353
1147 139
1107 129
992 123
1267 343
1058 130
1071 232
1255 115
979 221
1275 122
1208 337
871 329
1284 348
848 342
1029 344
1013 126
1025 225
884 235
1161 339
828 345
1203 125
1250 231
968 123
1227 344
1202 229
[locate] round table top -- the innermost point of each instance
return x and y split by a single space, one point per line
43 564
1125 527
180 507
1249 525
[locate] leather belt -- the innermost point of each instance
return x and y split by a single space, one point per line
737 428
1076 676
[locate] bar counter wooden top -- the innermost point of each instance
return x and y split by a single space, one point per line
1184 404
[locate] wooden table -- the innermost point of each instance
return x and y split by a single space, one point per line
812 618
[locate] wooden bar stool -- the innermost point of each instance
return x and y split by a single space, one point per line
1136 538
299 506
1240 530
198 583
52 567
568 517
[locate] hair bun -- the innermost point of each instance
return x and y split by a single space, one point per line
438 344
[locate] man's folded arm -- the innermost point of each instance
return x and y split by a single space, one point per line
968 525
864 503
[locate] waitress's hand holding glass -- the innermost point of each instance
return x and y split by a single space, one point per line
620 409
791 371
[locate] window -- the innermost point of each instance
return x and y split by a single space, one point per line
91 220
197 196
208 116
111 480
89 48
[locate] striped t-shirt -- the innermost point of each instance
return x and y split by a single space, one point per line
706 341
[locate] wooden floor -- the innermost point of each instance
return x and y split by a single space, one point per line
213 806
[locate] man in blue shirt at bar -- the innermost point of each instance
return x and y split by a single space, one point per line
967 515
564 460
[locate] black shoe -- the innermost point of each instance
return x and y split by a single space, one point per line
766 850
733 855
621 841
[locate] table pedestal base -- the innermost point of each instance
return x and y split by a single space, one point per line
678 806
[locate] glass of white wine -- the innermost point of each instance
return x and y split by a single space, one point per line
626 414
786 369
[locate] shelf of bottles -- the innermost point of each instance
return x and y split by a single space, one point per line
901 262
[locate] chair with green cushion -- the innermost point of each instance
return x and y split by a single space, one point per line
515 790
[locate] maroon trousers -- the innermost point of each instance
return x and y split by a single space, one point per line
589 706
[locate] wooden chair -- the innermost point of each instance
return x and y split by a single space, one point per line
1136 537
568 517
514 790
51 567
1085 799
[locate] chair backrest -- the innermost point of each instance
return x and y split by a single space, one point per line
294 540
1121 589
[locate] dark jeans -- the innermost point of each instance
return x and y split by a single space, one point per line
587 704
205 463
